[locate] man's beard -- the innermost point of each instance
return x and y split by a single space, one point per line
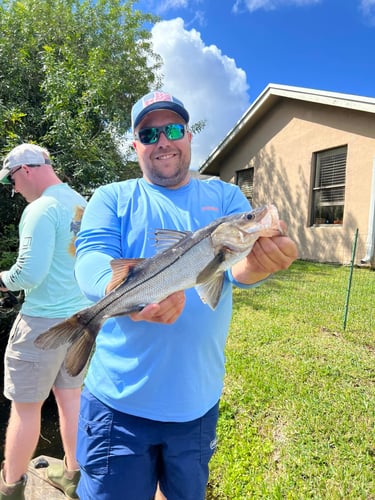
156 177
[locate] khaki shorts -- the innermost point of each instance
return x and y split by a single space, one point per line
30 372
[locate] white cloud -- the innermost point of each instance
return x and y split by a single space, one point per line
166 5
209 83
252 5
368 9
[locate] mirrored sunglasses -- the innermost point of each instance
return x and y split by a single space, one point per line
150 135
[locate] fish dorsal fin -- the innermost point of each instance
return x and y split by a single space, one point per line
120 271
165 238
210 291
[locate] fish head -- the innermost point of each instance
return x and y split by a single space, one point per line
262 220
238 232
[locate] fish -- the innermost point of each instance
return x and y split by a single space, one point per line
184 260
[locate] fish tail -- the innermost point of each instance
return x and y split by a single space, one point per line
62 333
79 353
77 331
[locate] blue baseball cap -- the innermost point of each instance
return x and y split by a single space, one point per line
154 101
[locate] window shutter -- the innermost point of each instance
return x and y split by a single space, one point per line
329 186
331 167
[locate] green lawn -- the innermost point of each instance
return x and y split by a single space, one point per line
297 412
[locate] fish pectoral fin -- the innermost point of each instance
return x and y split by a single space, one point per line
120 271
165 238
211 268
210 291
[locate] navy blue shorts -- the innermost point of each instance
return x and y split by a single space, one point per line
123 456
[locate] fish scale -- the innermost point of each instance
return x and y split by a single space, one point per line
160 285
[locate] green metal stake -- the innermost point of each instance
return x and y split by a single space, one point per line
350 278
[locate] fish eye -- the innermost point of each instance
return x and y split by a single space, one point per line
249 216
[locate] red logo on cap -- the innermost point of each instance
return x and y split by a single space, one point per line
157 97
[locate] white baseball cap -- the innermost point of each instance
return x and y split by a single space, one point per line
24 154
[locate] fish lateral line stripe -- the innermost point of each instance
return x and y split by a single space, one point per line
137 269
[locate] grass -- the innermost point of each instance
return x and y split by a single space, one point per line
297 412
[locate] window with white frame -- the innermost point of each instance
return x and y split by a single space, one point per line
329 186
245 181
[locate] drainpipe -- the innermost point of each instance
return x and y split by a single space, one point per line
370 244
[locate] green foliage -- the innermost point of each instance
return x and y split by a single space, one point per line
70 72
10 210
297 412
197 127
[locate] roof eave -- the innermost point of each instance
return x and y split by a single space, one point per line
273 93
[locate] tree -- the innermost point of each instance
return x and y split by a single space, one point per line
70 71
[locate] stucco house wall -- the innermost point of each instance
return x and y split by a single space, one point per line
280 144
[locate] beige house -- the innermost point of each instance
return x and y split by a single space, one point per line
312 154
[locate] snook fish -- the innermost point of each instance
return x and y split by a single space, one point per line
193 259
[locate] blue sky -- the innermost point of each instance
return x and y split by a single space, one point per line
219 55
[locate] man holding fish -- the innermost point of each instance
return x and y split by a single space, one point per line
149 406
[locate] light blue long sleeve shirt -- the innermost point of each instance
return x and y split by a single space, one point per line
156 371
44 268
